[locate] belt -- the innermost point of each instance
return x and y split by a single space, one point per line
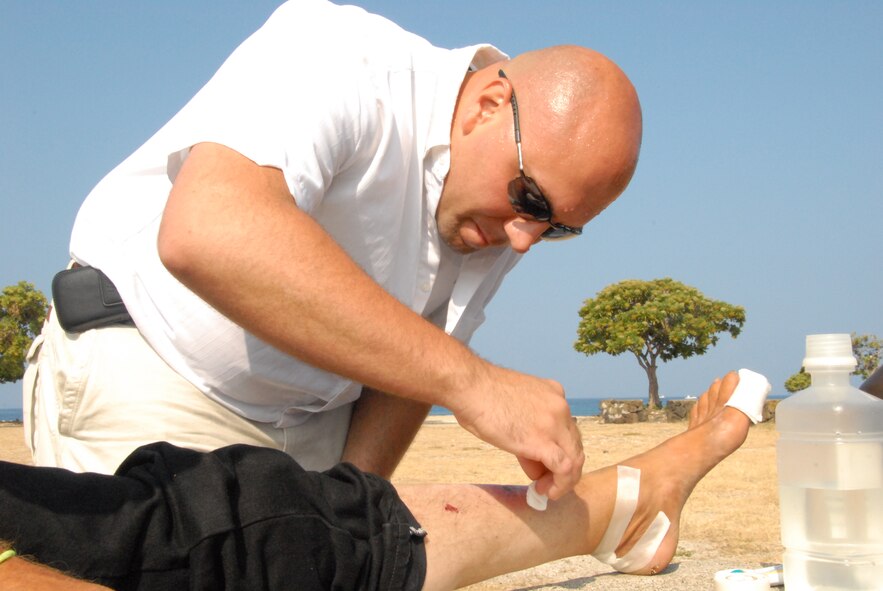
84 298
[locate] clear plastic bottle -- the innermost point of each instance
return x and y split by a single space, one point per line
830 463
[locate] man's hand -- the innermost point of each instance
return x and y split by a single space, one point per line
530 418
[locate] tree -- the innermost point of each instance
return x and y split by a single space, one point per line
797 382
654 320
22 311
866 348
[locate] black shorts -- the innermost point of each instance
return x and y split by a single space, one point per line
238 518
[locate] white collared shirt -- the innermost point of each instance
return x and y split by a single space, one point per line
356 113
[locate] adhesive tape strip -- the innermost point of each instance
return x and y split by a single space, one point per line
739 580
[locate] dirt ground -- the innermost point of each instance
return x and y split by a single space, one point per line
730 521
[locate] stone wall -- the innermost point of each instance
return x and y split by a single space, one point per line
636 411
623 411
769 410
679 410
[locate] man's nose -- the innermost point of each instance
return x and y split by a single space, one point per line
523 233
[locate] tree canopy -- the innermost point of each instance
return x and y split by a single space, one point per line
22 311
656 320
866 348
799 381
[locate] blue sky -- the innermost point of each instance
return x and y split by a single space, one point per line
760 181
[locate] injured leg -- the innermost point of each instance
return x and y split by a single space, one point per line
626 515
215 512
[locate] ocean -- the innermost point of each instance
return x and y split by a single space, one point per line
579 407
10 414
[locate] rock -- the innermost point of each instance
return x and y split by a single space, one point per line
636 411
679 410
769 410
657 415
622 411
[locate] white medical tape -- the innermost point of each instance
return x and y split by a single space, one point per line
643 551
534 499
628 487
750 395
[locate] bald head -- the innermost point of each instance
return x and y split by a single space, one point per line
580 124
579 107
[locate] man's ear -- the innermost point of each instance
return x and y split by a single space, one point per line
487 102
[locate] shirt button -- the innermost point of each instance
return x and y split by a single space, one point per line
425 286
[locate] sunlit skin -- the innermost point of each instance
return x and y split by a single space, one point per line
581 137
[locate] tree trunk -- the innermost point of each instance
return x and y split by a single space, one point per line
654 387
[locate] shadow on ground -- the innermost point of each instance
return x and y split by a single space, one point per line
581 582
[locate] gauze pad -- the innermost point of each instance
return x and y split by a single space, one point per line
535 499
750 394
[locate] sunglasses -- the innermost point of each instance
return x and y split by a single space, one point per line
525 196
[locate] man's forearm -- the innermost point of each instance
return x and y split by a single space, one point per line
233 234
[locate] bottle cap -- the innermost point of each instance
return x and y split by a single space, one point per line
829 350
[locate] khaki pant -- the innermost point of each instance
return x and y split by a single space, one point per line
91 398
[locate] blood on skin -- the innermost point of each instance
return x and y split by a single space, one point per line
451 508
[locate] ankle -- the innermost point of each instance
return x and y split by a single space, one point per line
637 526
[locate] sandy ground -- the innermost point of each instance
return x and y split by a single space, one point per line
731 520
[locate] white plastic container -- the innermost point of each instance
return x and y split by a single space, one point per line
830 463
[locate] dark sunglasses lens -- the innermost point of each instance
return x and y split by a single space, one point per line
526 199
554 233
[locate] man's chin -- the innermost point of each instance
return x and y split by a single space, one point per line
463 241
471 237
460 247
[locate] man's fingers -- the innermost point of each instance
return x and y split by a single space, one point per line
537 428
533 468
545 483
562 481
565 467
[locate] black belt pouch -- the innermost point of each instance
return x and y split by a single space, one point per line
85 298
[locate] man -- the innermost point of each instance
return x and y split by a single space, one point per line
250 518
307 247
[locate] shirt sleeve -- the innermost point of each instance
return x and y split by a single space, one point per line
307 119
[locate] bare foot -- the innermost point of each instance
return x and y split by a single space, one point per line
670 471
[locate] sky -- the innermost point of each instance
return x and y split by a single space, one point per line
760 180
